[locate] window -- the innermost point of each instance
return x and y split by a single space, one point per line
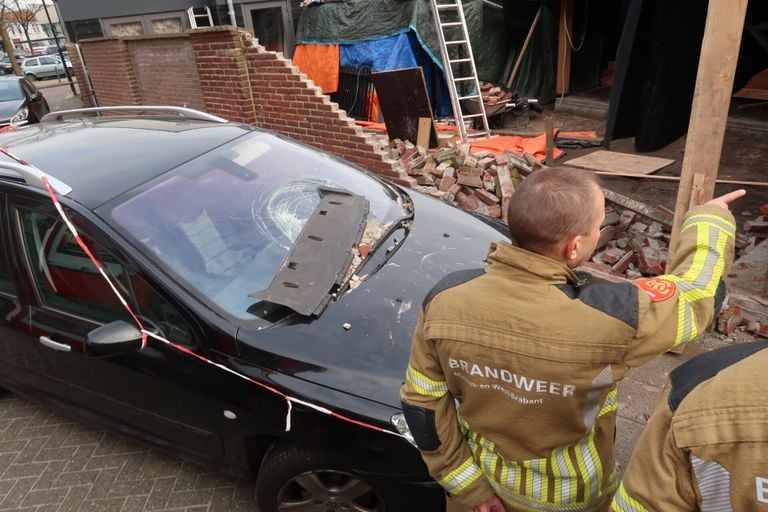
6 282
67 280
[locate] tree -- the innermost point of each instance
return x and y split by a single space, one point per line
20 13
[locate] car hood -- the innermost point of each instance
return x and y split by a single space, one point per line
9 108
360 345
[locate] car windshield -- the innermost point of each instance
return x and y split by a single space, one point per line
10 91
225 221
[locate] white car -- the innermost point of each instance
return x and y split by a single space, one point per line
45 66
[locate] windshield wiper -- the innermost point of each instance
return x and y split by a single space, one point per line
319 259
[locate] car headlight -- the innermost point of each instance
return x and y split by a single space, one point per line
20 116
398 420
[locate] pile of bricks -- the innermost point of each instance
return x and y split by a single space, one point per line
482 182
494 95
630 245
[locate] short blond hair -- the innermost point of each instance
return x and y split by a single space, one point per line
551 205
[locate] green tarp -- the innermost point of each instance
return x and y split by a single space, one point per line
353 21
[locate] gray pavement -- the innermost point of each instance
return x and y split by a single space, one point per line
49 462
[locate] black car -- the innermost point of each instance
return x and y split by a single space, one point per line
227 294
20 102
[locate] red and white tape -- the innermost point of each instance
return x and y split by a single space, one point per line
145 334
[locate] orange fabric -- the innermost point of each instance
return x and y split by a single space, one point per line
320 62
372 100
537 146
577 134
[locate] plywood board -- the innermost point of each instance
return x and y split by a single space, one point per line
403 99
628 163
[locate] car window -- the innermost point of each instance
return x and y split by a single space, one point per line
6 281
30 62
10 90
48 60
224 222
68 280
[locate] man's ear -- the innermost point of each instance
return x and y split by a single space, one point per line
570 249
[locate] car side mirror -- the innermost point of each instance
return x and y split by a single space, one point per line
118 337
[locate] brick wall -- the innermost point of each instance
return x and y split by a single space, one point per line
166 71
221 70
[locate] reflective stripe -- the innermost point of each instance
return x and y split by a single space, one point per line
701 280
423 385
623 502
714 484
726 226
611 402
461 477
592 406
538 478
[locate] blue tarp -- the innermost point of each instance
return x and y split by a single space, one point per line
398 51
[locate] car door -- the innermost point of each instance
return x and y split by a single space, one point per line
158 392
48 66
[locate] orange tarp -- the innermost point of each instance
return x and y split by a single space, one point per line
320 62
536 146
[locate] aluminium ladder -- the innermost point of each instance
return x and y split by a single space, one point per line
453 35
200 17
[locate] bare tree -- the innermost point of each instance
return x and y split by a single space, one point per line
20 13
6 40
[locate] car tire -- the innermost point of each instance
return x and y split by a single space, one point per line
297 476
30 77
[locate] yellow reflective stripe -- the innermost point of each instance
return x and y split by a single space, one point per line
461 477
623 502
611 403
726 226
423 385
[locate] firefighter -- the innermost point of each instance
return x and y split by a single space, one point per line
510 390
706 445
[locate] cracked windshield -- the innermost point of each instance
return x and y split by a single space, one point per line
224 222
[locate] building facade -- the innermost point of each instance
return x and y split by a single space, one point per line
272 22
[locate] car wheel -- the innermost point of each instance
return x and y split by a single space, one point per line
302 478
30 77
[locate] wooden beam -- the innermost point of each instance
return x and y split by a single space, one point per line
711 99
562 85
676 178
520 56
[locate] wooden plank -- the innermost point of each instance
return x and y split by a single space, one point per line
549 127
563 83
611 161
677 178
520 55
711 100
422 138
637 206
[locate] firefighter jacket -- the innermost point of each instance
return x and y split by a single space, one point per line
706 444
511 385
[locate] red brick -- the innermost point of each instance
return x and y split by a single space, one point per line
486 197
446 183
466 200
471 179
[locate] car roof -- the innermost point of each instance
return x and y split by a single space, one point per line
102 158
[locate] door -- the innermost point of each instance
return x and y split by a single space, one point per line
272 24
159 391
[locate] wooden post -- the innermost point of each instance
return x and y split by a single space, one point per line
562 86
549 127
709 114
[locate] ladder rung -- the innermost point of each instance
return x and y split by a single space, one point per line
464 79
469 116
451 24
459 60
443 7
469 97
477 135
459 41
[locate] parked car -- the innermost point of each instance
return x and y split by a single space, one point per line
274 344
20 102
5 64
47 66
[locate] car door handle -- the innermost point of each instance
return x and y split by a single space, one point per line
55 345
